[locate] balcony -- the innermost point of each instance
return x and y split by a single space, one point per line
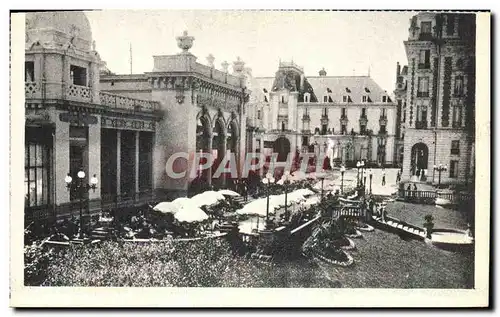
456 124
458 93
424 66
363 120
455 151
32 90
87 95
122 102
425 37
306 117
420 124
324 119
383 120
423 94
305 131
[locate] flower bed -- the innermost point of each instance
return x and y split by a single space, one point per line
365 227
356 235
344 243
335 256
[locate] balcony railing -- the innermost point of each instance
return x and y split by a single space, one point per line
425 37
458 93
455 151
122 102
32 90
306 117
87 95
456 124
424 65
424 94
421 124
383 120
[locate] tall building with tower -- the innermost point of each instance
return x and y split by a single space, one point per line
436 91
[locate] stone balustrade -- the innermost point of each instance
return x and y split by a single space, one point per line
123 102
33 90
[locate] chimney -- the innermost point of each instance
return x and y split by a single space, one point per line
398 70
322 72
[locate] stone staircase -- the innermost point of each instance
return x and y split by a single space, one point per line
401 226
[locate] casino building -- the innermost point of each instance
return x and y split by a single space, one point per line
436 92
119 128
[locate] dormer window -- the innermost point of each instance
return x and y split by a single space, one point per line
258 114
365 98
367 90
384 98
282 99
325 98
347 90
345 98
307 97
265 98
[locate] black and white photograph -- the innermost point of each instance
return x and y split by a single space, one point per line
250 151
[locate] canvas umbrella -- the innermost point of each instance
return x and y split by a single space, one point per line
227 192
167 207
190 214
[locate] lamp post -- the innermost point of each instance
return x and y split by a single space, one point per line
286 180
358 166
370 172
322 178
81 189
440 169
342 171
363 173
269 179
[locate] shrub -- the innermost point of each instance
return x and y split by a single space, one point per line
36 261
205 263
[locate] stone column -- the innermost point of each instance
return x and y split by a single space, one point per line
137 165
118 162
94 82
94 163
61 162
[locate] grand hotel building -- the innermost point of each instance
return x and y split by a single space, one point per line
292 112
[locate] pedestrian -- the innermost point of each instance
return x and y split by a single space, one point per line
408 189
245 191
383 176
398 177
415 187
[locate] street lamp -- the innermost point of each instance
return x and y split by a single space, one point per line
370 172
440 169
81 189
322 178
269 179
358 166
363 173
342 171
286 180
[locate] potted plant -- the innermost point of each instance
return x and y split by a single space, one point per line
428 225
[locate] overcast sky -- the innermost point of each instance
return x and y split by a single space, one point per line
344 43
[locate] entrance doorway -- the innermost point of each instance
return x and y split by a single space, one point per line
419 158
282 147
